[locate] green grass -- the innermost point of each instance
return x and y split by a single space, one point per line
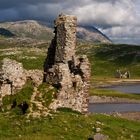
24 95
66 125
105 59
112 93
48 93
2 37
28 62
33 63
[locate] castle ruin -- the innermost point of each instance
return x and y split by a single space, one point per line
65 70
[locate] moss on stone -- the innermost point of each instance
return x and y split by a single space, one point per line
48 93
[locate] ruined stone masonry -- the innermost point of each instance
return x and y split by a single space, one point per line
65 70
13 77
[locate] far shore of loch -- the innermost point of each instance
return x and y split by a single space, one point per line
131 86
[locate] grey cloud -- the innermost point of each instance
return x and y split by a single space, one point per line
97 12
5 14
111 16
19 3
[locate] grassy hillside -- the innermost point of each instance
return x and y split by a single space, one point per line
107 58
66 125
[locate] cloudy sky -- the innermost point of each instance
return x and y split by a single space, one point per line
118 19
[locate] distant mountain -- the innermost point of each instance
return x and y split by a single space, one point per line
37 30
28 29
92 34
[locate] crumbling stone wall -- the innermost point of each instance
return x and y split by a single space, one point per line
13 77
5 88
122 74
63 69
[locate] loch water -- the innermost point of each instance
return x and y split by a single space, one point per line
122 107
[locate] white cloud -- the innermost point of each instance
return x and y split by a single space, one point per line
130 31
106 13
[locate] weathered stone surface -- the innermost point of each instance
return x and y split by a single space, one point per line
14 72
66 38
62 69
122 74
66 71
12 77
5 89
36 76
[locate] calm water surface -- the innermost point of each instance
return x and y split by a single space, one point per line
133 88
108 108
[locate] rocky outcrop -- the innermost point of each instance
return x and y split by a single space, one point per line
65 70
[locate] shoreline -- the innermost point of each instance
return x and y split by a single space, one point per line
111 100
116 83
134 116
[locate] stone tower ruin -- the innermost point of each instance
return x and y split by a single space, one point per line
65 70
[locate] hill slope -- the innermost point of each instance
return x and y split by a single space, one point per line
106 59
37 30
28 29
90 33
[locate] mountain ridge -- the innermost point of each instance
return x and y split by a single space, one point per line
38 30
